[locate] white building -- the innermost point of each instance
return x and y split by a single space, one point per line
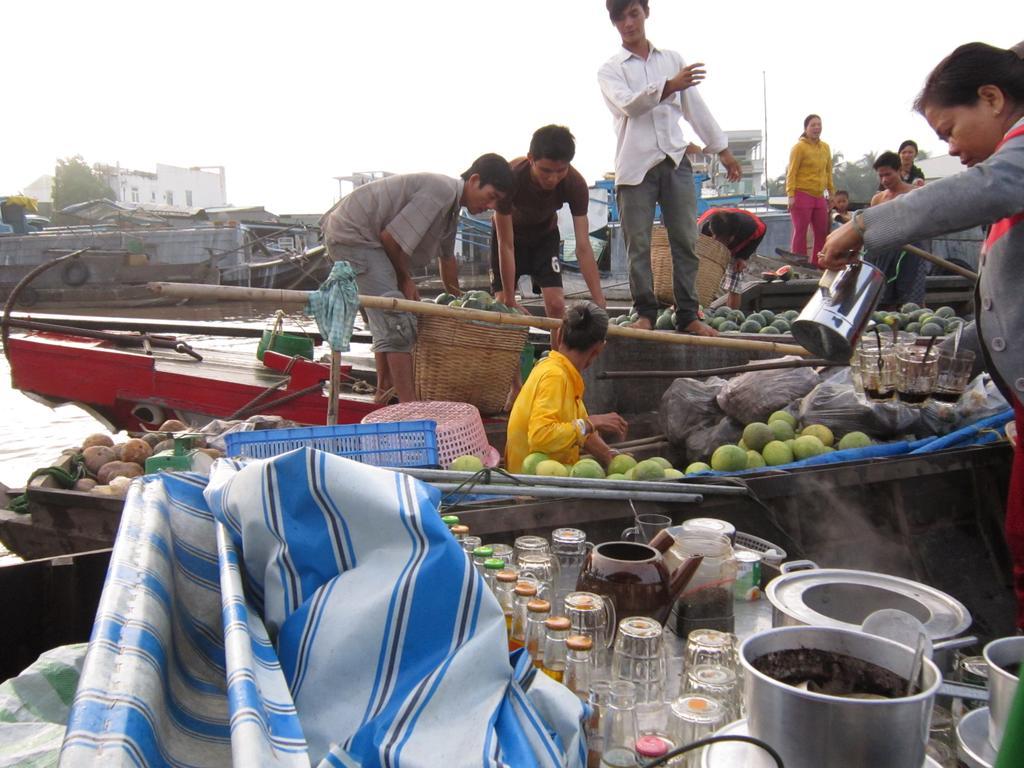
748 149
191 188
939 167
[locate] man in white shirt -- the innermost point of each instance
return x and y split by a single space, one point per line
648 90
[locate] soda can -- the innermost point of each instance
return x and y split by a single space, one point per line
748 575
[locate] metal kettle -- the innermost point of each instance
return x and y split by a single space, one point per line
836 314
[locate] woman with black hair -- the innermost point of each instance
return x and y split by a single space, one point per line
909 172
808 178
974 99
549 415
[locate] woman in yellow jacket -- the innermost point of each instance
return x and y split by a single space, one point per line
549 416
808 177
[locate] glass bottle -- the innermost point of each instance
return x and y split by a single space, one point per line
618 727
537 611
459 531
597 698
491 567
503 552
554 649
504 590
450 520
577 664
469 543
480 556
525 591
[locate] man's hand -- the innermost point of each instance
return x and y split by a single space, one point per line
739 265
408 288
610 424
841 248
732 165
686 77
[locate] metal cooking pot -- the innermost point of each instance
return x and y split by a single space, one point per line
838 597
815 730
837 312
1002 686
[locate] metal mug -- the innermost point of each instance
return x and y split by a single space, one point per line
837 313
1002 684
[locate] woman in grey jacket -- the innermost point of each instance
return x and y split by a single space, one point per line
974 99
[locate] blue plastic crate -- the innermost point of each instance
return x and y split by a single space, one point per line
389 444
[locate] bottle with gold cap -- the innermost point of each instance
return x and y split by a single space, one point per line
459 531
537 611
525 591
578 664
553 654
504 589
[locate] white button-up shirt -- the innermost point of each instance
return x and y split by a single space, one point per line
647 127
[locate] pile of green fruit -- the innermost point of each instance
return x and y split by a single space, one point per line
621 467
777 443
918 320
473 300
725 320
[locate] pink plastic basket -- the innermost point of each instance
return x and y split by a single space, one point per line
460 430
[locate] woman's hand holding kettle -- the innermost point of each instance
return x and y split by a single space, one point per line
842 247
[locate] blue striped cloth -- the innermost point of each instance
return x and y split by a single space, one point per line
305 610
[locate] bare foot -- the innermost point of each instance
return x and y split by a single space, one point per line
641 324
697 328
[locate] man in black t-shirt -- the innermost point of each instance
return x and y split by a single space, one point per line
526 238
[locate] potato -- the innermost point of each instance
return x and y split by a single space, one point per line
172 425
113 469
97 439
96 456
136 451
121 485
85 484
153 438
163 445
118 451
102 490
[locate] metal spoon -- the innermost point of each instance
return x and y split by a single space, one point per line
915 667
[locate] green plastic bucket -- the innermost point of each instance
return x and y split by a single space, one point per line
526 361
285 344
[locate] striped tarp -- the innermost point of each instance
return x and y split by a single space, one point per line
305 610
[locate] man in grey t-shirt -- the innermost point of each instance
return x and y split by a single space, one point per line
386 227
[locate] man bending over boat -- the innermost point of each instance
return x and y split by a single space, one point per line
389 226
741 232
526 237
549 416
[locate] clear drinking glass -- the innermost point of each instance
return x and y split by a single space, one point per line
691 718
593 616
530 545
646 527
618 726
916 372
543 568
639 658
719 683
599 695
876 367
953 374
469 543
503 552
569 547
709 646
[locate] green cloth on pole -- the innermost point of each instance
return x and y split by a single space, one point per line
334 305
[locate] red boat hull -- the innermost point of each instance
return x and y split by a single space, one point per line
132 390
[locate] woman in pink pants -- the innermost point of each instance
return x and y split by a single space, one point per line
808 177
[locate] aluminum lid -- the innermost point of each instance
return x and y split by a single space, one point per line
834 597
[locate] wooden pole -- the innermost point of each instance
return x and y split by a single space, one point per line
297 300
334 390
941 262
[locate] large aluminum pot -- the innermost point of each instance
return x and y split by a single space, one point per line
1002 685
837 313
815 730
837 597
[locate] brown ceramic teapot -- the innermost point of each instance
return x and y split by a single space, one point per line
634 577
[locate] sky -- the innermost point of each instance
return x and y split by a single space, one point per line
286 96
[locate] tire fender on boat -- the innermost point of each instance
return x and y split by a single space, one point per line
74 273
148 414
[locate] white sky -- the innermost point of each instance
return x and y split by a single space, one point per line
288 95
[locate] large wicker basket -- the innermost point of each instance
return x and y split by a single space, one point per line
714 260
467 361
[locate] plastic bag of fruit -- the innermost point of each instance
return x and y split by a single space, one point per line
688 405
756 395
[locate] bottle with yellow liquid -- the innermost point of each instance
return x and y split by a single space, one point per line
578 665
537 611
553 654
524 591
504 589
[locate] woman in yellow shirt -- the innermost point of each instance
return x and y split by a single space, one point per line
549 415
808 177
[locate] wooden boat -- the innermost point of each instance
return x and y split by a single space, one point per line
135 389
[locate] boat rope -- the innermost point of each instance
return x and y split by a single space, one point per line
246 410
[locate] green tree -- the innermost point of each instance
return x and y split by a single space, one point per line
75 182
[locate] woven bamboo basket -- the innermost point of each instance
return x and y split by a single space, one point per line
467 361
714 260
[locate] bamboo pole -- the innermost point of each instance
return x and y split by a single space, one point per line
334 390
939 261
297 300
